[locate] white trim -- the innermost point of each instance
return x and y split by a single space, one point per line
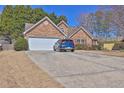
79 30
62 22
44 37
45 18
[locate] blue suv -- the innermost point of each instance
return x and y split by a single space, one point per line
64 45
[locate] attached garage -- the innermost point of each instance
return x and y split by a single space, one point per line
43 35
41 43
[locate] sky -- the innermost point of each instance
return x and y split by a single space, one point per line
70 11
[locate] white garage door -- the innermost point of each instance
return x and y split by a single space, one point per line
41 43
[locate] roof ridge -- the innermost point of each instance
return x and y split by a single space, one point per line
42 21
62 21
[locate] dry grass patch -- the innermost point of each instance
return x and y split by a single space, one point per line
109 53
17 70
114 53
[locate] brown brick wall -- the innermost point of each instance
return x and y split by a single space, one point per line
45 29
82 35
62 25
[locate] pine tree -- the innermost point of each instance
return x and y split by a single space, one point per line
6 20
13 19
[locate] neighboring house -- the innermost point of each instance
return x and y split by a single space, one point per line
44 34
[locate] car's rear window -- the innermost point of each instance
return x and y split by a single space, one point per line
68 42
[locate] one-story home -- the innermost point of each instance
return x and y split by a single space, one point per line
44 34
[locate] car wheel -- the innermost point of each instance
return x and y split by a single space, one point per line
72 50
54 49
57 50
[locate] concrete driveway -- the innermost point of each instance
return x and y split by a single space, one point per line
81 69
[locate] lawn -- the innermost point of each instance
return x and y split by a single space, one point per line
116 53
17 70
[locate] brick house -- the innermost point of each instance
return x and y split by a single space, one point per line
44 34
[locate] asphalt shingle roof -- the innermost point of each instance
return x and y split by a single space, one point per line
28 25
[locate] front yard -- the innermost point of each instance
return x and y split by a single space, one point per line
114 53
72 69
17 70
109 53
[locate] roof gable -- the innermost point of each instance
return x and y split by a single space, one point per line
45 18
73 33
62 22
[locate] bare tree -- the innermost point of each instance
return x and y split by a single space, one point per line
118 18
98 23
106 23
87 21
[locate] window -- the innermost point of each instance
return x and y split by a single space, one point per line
62 29
80 41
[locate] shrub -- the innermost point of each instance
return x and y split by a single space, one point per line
119 46
85 47
96 47
79 47
82 47
99 46
21 44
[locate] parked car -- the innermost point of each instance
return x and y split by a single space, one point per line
64 45
8 40
1 48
